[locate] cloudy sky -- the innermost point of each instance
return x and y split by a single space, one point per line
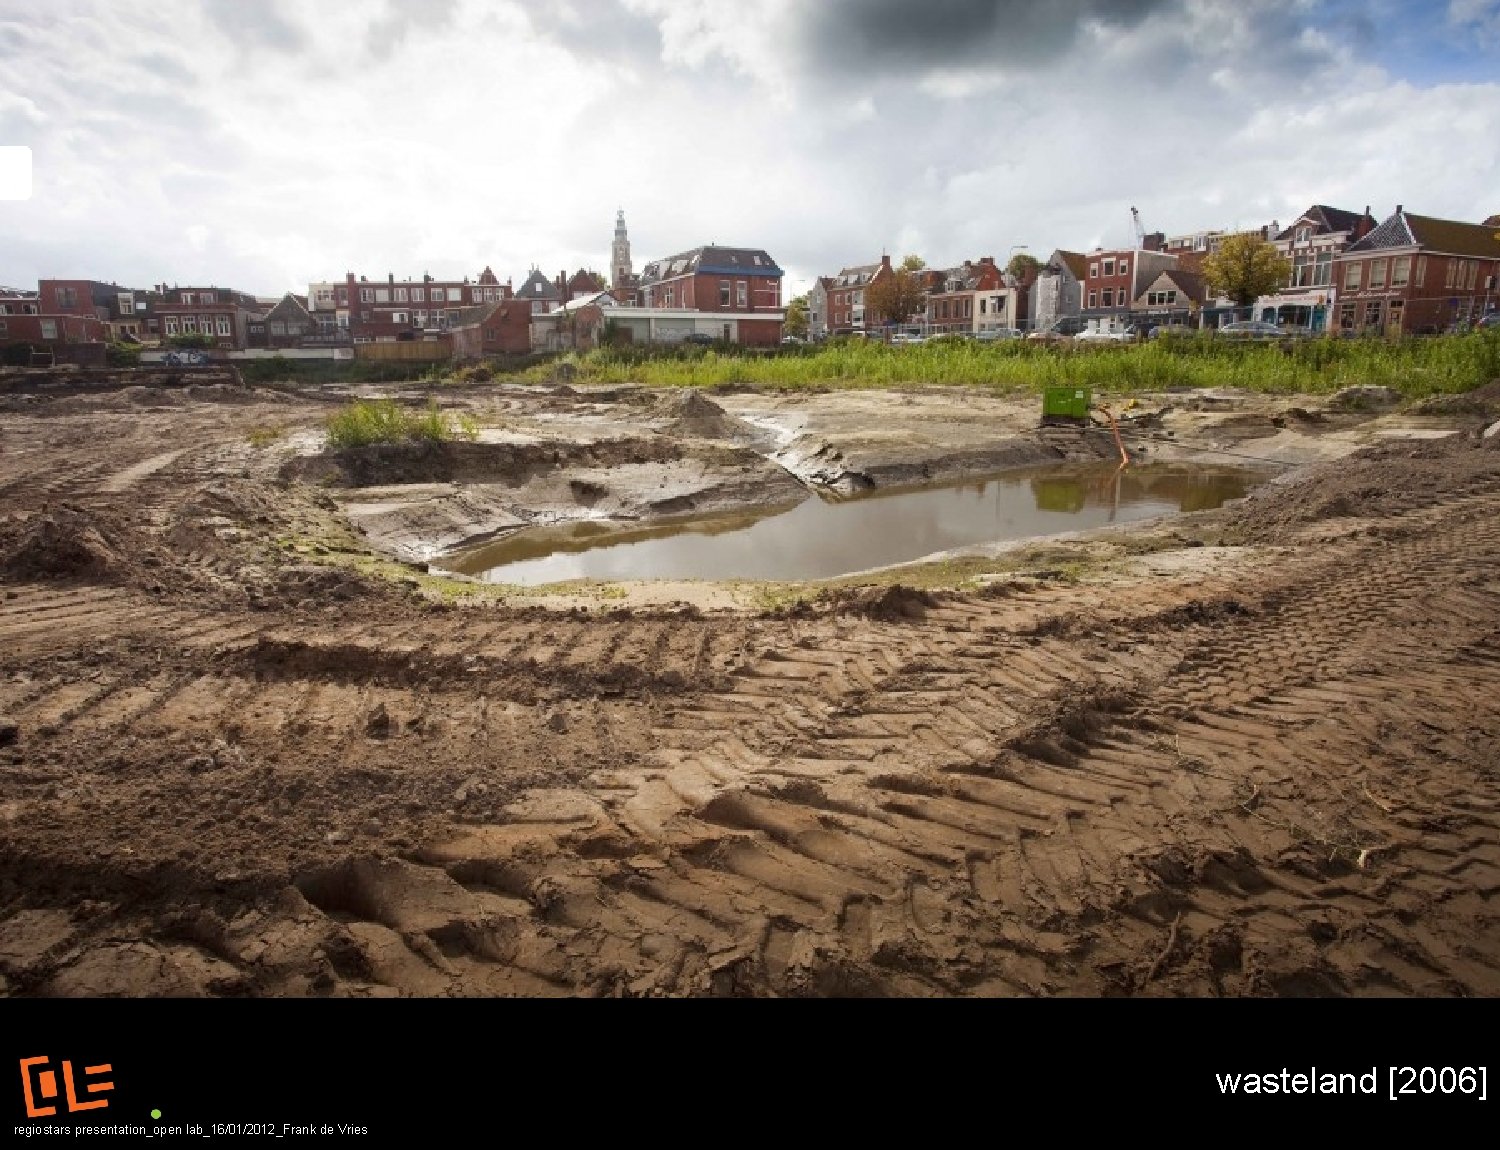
261 144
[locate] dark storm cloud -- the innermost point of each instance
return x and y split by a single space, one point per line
855 36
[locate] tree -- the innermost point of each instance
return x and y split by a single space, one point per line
796 317
913 263
894 298
1245 268
1023 264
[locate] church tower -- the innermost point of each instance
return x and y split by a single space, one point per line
621 271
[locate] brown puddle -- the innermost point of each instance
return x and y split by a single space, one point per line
820 538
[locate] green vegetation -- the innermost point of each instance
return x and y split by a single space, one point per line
118 353
365 422
1416 366
191 339
264 436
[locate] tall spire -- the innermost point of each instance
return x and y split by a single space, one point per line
621 269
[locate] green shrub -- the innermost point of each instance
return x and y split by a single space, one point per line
191 339
369 421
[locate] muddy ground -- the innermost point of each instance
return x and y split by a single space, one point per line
249 746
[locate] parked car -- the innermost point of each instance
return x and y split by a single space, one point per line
792 339
698 337
1104 335
902 338
1250 329
994 333
1157 331
1490 322
1063 328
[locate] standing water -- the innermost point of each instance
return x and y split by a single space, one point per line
819 538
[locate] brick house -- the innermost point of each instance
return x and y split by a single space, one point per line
1057 292
502 328
740 285
1113 279
1174 296
222 314
844 310
59 317
962 301
817 308
542 294
1417 274
1310 243
390 310
287 324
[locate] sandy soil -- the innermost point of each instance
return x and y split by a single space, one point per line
245 751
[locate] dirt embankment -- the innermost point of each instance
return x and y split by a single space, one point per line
228 767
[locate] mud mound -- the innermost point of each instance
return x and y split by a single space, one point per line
1386 480
307 584
692 414
893 604
510 464
1481 401
62 544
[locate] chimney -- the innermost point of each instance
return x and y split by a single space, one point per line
1398 209
392 278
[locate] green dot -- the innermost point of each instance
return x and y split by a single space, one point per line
156 1113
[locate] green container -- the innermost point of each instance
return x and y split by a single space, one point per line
1066 403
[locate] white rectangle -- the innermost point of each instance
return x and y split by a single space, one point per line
15 172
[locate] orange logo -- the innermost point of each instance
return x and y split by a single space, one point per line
45 1087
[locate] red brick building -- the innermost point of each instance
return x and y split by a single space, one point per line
59 314
1417 274
742 285
492 329
970 296
1115 278
837 304
222 314
388 310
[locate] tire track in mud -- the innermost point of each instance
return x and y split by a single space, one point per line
955 806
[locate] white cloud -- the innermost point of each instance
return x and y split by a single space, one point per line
266 146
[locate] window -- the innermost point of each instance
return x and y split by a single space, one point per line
1093 299
1109 297
399 317
206 297
1372 313
187 297
366 295
400 295
222 325
419 295
277 327
364 317
982 303
1093 270
1473 271
1109 267
124 303
1124 267
1453 272
189 324
343 297
1323 270
741 294
1377 273
4 328
723 293
1303 235
439 296
49 329
67 297
343 320
1301 272
421 318
1421 271
1352 275
324 295
1346 317
489 335
669 298
382 295
1400 271
171 325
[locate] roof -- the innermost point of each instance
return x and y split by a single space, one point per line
711 259
469 316
1455 237
538 286
1076 262
289 307
1191 284
597 299
1328 220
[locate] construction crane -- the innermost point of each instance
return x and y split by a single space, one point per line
1140 232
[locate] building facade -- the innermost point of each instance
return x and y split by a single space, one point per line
1311 243
963 302
741 284
391 310
1113 279
1416 274
58 318
844 310
1057 292
492 329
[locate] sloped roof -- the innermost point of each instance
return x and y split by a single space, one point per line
709 259
290 307
1327 219
1455 237
1076 262
538 286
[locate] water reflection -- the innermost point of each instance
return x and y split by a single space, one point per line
816 538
